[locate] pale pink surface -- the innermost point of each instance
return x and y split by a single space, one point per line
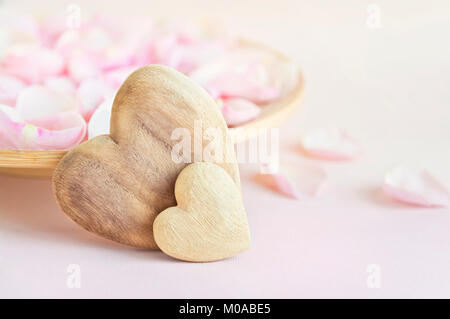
395 101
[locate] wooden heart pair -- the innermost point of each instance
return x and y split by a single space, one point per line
124 186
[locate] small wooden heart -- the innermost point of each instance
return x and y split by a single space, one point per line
115 185
209 222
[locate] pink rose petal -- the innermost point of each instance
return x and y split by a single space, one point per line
83 66
106 44
294 179
51 29
62 84
10 127
31 63
61 131
238 111
330 144
100 120
115 78
144 53
9 89
17 30
187 57
237 84
236 81
247 73
66 43
416 187
117 57
90 41
91 93
282 184
37 101
23 23
184 46
11 113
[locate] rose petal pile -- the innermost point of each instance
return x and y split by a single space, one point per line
58 82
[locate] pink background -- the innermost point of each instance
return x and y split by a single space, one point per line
389 87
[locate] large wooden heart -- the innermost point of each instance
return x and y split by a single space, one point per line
115 185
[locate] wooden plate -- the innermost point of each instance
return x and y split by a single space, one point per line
41 164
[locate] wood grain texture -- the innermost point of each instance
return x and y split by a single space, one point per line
30 159
42 163
115 185
209 223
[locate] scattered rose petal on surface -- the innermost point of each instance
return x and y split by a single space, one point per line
37 101
9 89
416 186
57 132
100 120
295 179
280 183
238 111
330 144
